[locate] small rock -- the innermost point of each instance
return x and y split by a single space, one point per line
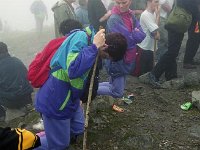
174 84
196 99
144 78
191 79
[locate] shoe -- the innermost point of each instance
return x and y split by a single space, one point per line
39 126
153 81
189 66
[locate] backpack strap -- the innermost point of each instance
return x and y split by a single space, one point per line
55 69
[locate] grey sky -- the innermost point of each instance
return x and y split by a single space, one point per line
17 13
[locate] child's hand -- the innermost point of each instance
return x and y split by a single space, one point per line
136 29
99 38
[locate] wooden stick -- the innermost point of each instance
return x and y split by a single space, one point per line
89 101
88 105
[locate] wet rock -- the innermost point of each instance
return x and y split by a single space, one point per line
97 121
194 131
100 105
144 78
191 79
174 84
196 99
141 142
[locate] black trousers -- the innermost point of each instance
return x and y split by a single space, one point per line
192 44
167 63
146 61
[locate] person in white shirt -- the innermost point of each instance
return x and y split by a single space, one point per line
149 22
165 8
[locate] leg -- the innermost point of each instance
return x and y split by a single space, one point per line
167 62
57 134
192 44
115 88
77 122
163 42
143 62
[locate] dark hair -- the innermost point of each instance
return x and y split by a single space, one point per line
70 24
3 48
117 46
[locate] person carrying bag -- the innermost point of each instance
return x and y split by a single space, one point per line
179 19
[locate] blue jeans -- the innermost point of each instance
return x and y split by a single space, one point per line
59 132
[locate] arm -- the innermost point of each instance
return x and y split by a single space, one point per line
80 63
106 16
133 38
83 61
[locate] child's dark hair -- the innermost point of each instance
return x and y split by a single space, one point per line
68 25
117 46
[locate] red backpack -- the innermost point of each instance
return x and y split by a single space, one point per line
39 69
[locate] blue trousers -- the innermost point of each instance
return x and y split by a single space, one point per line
114 88
58 132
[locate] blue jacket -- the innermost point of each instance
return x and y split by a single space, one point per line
116 24
59 97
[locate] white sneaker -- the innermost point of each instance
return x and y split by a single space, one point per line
39 125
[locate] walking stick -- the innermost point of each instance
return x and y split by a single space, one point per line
88 105
89 102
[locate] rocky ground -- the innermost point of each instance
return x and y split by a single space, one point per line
153 121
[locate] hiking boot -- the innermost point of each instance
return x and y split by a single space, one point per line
153 81
39 126
189 66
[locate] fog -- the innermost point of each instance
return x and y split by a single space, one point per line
18 16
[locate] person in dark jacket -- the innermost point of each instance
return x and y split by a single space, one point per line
193 41
15 90
97 14
167 63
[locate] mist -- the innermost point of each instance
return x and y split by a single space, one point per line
17 15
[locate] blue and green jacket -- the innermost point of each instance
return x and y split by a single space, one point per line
59 97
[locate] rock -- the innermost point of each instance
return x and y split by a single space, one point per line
194 131
144 78
174 84
191 79
196 99
100 104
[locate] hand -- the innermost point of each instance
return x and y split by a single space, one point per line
109 13
99 38
157 11
136 29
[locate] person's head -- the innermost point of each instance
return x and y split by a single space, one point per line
152 4
117 46
3 48
68 25
82 2
123 4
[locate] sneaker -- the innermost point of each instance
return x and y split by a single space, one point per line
39 126
189 66
153 81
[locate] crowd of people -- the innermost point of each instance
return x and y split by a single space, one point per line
126 35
